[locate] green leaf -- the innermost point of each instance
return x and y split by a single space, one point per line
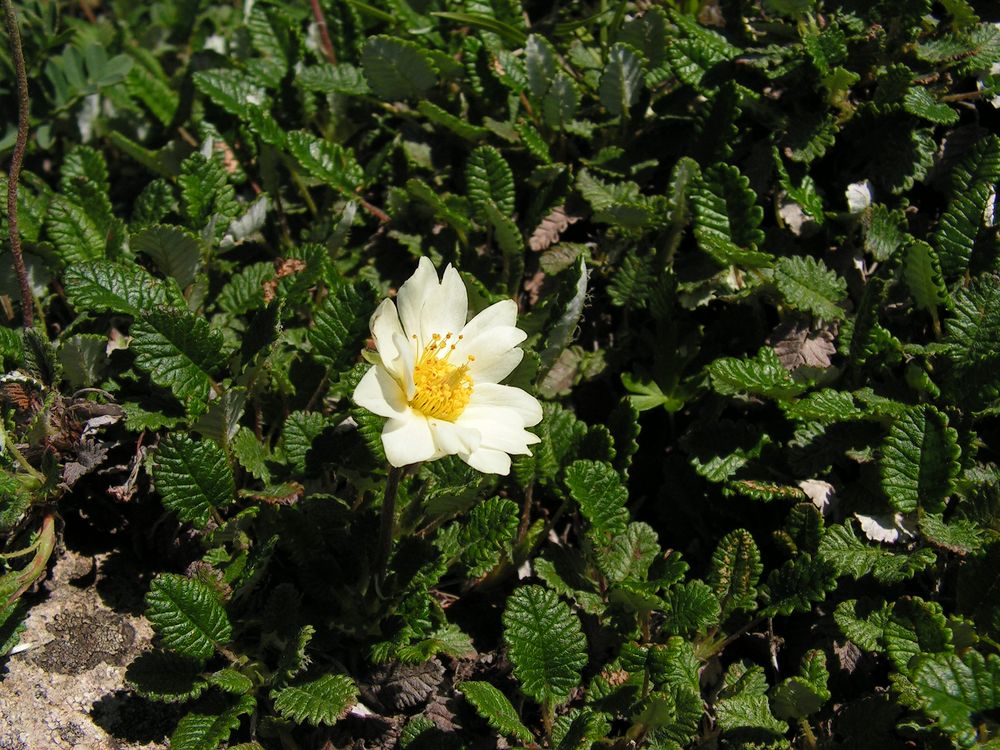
807 284
922 272
696 50
301 428
630 555
489 180
232 90
885 231
84 163
487 534
559 107
727 218
796 585
736 568
396 68
962 537
599 491
972 183
322 701
921 103
541 63
167 677
231 681
622 80
742 703
546 644
340 325
955 690
764 375
457 125
251 454
496 708
863 623
342 78
326 161
208 731
805 693
690 607
920 460
175 251
75 233
206 192
827 405
192 477
104 286
915 628
187 615
179 350
852 556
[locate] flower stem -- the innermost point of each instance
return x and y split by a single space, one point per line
324 33
16 160
388 522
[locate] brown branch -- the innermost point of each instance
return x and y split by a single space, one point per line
16 160
324 32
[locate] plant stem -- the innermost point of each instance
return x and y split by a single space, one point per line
16 160
324 32
45 544
388 522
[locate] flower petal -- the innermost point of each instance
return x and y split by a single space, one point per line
408 440
509 397
492 368
445 308
502 313
407 361
379 393
451 438
413 294
489 461
384 326
499 427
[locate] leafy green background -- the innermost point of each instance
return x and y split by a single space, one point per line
755 248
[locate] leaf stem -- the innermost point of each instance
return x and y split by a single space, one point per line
6 442
36 568
324 32
16 160
388 522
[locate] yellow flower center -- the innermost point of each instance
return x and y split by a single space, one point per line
442 389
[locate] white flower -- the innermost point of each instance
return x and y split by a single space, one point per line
438 380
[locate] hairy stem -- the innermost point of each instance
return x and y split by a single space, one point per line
23 579
16 160
388 522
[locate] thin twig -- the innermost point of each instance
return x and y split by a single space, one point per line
324 32
16 160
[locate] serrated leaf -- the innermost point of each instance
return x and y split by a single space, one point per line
104 286
163 676
808 284
488 534
921 103
251 454
953 689
186 615
599 491
207 731
541 63
496 708
922 272
805 693
920 460
973 180
192 477
727 219
340 325
396 68
206 192
736 568
74 232
322 701
176 252
690 607
622 80
742 703
561 102
962 537
490 180
179 350
326 161
630 555
457 125
827 405
546 644
796 585
231 681
342 78
232 90
914 628
763 375
852 556
863 623
301 428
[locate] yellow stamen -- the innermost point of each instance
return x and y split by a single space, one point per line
442 390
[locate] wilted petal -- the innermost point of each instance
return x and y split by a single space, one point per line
408 440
